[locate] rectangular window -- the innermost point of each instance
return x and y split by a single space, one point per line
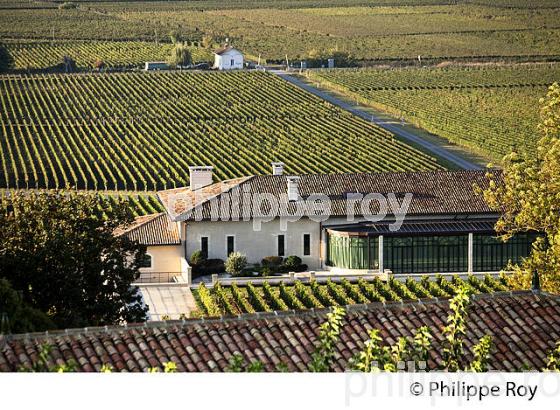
230 245
232 62
146 261
281 250
306 244
204 247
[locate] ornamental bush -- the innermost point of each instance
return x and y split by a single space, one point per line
293 261
235 263
272 261
197 258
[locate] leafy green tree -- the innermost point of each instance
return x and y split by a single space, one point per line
529 198
6 60
208 41
375 357
237 364
329 332
43 363
175 37
58 249
180 56
16 316
553 362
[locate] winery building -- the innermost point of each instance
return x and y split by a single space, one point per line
445 228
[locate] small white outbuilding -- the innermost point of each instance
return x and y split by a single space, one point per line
228 58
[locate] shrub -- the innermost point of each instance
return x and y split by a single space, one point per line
208 267
272 261
292 261
235 263
266 271
197 258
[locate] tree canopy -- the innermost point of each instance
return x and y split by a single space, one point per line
16 316
58 249
529 198
180 55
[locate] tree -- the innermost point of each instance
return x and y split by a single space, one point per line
375 358
529 198
235 263
208 41
68 64
16 316
175 37
341 58
329 332
180 56
6 60
59 250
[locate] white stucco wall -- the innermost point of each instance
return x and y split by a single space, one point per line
258 244
255 244
166 258
224 61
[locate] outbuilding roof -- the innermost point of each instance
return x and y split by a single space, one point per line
524 326
433 193
225 50
154 229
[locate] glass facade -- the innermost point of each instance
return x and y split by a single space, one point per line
353 252
427 253
491 254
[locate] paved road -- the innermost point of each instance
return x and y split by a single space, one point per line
392 127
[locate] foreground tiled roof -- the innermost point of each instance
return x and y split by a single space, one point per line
154 229
434 193
523 326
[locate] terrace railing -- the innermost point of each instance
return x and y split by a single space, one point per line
160 277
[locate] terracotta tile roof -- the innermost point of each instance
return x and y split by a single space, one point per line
523 326
181 201
434 193
224 50
154 229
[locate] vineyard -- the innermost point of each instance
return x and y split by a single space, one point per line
389 30
141 131
131 54
236 299
140 203
491 110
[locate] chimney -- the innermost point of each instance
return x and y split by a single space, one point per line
200 176
293 191
277 168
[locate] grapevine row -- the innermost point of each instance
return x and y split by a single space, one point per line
250 298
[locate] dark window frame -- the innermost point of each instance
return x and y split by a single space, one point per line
306 244
281 245
147 257
230 247
204 246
